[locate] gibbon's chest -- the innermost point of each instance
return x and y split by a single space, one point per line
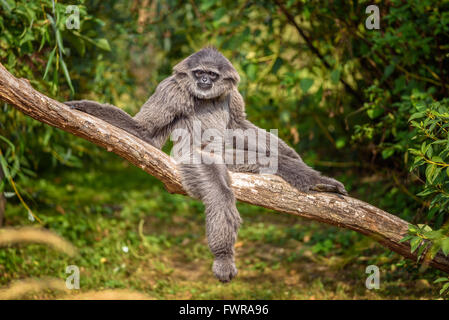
212 114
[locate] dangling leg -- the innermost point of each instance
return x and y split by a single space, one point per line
211 184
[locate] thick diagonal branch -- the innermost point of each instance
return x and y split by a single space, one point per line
267 191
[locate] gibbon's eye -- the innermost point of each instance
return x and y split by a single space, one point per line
198 73
213 75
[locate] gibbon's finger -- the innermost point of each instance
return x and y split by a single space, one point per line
342 190
322 187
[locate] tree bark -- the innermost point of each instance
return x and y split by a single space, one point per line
267 191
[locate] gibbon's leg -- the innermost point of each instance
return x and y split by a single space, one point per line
304 178
111 114
289 165
282 147
211 184
296 173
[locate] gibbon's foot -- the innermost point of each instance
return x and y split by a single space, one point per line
329 185
319 183
224 269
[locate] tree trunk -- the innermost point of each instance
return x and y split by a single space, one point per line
267 191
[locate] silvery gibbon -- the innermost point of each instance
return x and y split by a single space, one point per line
203 90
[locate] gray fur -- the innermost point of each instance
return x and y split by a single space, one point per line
177 102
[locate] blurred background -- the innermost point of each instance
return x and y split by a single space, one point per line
366 106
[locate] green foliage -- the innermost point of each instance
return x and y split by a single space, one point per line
430 160
35 44
430 152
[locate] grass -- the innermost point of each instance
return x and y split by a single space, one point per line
132 234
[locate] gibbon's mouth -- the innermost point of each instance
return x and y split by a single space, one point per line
204 86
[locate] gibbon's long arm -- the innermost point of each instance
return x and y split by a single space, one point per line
149 124
267 191
111 114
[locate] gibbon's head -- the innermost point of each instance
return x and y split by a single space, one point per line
207 74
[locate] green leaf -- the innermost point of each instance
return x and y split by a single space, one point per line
414 243
425 192
445 246
103 44
375 112
11 145
421 250
437 159
4 166
335 76
430 171
423 148
66 74
433 235
445 287
50 60
406 238
434 249
442 279
306 84
340 143
277 64
206 5
388 71
429 151
57 33
387 153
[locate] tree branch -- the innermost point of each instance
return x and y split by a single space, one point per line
267 191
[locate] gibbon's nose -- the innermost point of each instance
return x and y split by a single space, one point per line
204 80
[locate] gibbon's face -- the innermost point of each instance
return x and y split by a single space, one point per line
207 74
208 83
205 78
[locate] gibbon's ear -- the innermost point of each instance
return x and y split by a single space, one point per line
233 75
182 68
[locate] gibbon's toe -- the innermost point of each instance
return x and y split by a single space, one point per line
342 190
321 187
330 185
224 269
340 187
